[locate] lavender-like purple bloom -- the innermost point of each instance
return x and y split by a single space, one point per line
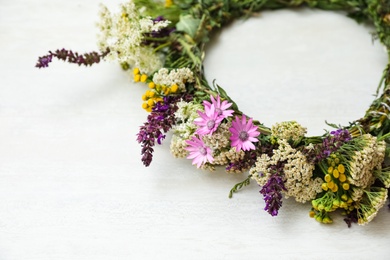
334 141
160 121
272 192
329 145
243 165
69 56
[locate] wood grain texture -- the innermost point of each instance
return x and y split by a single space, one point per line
71 182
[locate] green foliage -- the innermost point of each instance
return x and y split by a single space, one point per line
188 24
239 186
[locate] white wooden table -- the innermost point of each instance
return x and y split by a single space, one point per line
71 182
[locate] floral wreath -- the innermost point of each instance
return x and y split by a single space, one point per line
163 45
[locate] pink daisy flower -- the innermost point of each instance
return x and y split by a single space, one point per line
199 152
243 134
208 121
220 108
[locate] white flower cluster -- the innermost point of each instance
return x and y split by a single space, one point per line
186 114
123 35
185 128
297 172
148 25
219 142
289 130
176 76
178 146
373 200
363 162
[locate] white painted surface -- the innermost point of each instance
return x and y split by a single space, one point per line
71 182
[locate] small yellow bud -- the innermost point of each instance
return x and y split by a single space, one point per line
312 214
174 88
331 185
343 205
324 186
145 105
336 173
336 160
151 85
168 3
150 93
137 78
150 102
136 71
144 77
149 109
342 177
345 186
344 197
341 168
328 178
335 188
330 170
327 220
144 97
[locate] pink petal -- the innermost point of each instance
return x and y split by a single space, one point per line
251 139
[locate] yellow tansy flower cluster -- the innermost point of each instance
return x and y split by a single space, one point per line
338 191
138 77
155 92
335 179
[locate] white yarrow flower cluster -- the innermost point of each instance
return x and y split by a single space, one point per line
185 127
289 130
179 77
363 162
368 207
186 113
123 35
297 172
148 25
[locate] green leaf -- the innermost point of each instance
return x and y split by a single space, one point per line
188 24
332 125
239 186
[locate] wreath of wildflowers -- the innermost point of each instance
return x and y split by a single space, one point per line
162 44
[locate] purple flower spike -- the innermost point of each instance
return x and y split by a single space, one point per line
333 142
329 145
160 121
272 192
86 59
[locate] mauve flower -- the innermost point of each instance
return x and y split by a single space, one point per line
220 108
329 145
69 56
208 121
243 134
199 152
272 192
160 121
